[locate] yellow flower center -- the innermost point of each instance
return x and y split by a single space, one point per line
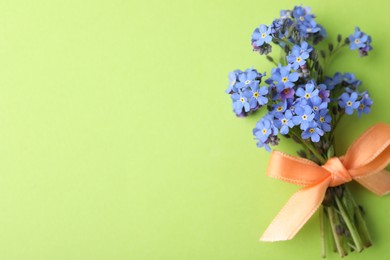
279 109
284 121
322 119
264 131
304 117
311 130
357 41
233 82
284 79
242 100
247 81
349 103
361 106
263 35
255 94
302 18
307 95
315 108
299 59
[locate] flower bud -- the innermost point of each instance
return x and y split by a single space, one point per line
339 38
269 58
323 54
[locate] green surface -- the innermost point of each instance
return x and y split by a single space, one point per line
118 142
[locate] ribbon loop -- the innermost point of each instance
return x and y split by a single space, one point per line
364 162
339 174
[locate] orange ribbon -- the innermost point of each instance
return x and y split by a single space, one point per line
364 162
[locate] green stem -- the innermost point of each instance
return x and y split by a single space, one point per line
310 146
285 41
332 220
328 59
351 227
360 221
319 156
335 124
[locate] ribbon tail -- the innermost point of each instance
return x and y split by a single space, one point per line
378 183
300 207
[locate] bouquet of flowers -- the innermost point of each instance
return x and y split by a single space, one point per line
306 104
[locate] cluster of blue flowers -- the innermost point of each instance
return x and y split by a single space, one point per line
307 108
245 91
301 102
300 18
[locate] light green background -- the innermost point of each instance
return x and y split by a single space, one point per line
118 142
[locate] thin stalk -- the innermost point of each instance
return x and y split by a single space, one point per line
336 237
362 226
351 227
336 123
316 153
328 59
308 145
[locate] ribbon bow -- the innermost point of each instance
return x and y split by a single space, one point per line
363 162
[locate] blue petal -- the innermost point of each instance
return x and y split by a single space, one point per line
256 36
293 76
315 137
305 135
262 100
263 28
263 90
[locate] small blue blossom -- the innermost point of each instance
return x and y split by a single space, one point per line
242 88
317 104
350 80
323 120
306 24
284 14
309 92
266 133
279 107
241 102
284 121
364 51
258 98
313 132
302 14
261 35
324 93
335 80
248 79
283 78
299 55
233 77
304 116
365 104
308 28
358 39
361 41
349 102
